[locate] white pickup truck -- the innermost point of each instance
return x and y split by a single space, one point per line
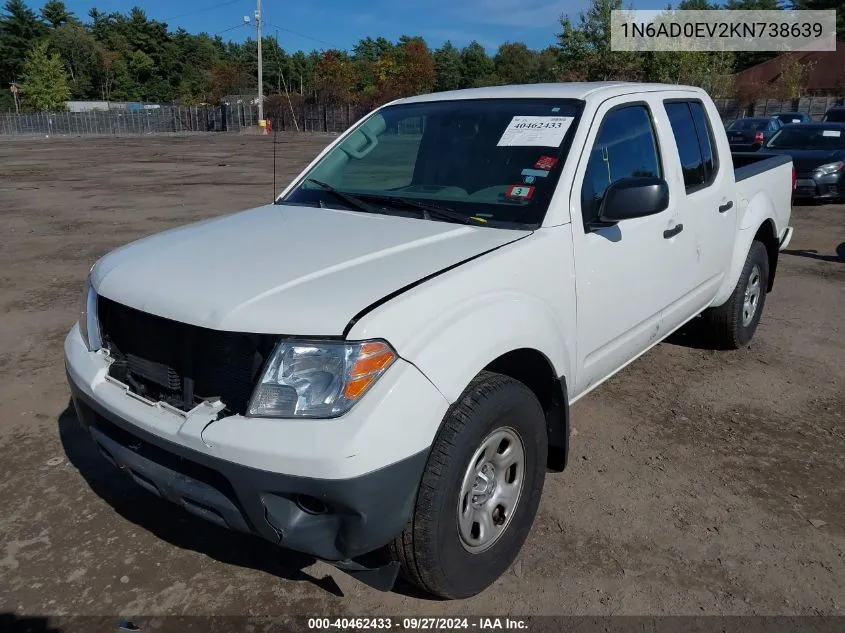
377 369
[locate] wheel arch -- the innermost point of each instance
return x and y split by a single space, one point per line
533 369
767 235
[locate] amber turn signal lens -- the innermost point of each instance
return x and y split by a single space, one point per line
355 388
371 364
373 359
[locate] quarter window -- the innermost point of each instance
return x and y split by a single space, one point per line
626 146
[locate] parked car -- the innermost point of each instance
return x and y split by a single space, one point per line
817 151
382 363
749 134
835 115
785 118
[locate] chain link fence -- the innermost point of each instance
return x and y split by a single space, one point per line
236 118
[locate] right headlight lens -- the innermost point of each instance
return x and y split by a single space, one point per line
318 379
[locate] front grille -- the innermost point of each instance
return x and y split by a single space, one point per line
181 364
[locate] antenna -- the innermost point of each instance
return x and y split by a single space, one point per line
275 134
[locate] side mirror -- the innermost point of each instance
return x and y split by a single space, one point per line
634 197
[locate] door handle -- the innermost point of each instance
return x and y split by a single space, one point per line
673 231
726 206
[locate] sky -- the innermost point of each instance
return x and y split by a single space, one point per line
341 23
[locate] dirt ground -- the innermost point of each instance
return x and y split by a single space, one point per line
700 482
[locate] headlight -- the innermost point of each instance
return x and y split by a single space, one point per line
89 325
318 379
830 168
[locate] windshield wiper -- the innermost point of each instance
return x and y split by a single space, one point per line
350 200
428 209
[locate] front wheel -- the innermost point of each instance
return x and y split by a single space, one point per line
479 492
733 324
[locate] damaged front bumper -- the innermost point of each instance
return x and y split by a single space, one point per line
340 520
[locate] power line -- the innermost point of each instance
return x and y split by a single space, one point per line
204 9
307 37
231 28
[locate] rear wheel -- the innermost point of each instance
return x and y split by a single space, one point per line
733 324
480 490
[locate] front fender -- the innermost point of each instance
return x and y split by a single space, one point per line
469 335
522 296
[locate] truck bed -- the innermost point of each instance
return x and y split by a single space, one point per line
764 180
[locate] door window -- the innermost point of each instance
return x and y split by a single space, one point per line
626 146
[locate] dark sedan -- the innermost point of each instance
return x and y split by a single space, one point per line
818 155
835 115
749 134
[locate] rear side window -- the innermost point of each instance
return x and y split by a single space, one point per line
626 146
694 139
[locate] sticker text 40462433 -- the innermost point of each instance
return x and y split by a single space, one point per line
538 125
536 131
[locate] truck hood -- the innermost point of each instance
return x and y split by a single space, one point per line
284 269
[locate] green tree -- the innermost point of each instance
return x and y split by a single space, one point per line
696 5
56 14
19 29
45 85
584 49
476 66
548 68
515 63
447 66
81 55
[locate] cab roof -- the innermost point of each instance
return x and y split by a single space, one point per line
569 90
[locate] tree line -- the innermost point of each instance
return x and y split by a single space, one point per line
54 56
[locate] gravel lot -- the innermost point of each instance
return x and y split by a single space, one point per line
700 482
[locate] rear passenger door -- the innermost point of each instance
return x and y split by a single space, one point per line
710 212
626 274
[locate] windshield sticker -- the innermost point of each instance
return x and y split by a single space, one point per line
535 131
545 162
520 192
528 180
834 133
539 173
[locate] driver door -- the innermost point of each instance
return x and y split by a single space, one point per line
629 273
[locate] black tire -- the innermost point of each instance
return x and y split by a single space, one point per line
727 326
431 550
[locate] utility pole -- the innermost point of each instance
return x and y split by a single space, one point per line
260 67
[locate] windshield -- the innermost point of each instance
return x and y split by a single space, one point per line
806 137
835 116
749 124
496 161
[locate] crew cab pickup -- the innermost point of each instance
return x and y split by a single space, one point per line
377 369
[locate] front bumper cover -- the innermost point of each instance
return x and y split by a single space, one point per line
330 519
